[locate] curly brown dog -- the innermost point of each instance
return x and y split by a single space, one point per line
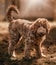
33 33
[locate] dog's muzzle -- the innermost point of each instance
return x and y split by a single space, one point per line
41 31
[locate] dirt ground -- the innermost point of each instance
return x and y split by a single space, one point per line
49 51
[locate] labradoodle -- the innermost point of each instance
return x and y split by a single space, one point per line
33 33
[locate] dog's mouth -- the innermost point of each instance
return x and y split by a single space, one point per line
41 31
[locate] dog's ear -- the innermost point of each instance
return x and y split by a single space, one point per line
46 25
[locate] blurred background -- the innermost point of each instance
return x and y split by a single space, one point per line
31 8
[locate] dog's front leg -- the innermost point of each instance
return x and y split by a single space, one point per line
28 48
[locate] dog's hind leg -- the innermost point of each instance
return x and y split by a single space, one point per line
14 38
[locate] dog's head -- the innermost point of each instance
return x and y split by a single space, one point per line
41 27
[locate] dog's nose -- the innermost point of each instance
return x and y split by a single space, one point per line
41 31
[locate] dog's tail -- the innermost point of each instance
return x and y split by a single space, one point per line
9 12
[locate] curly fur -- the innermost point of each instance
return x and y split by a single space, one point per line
32 32
9 12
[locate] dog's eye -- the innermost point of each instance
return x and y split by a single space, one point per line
39 25
43 25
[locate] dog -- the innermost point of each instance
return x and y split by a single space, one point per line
33 33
